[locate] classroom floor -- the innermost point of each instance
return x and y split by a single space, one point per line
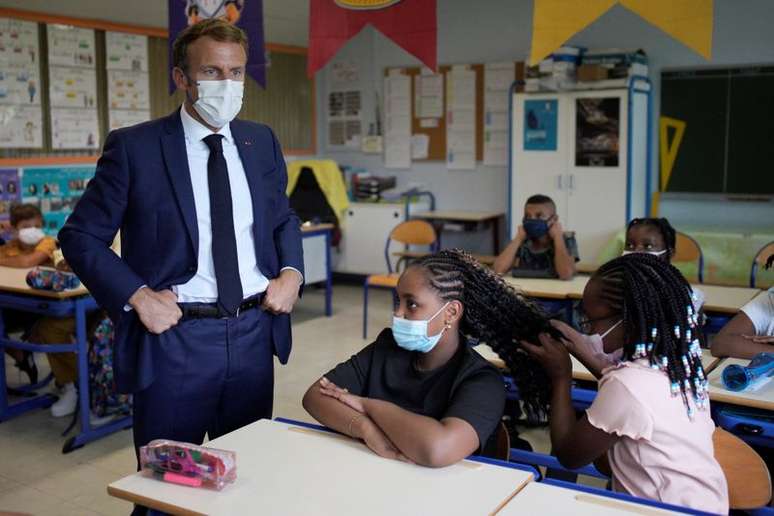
37 479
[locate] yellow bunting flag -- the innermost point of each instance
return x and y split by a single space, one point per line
556 21
688 21
668 150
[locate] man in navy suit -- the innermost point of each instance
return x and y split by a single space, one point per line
212 261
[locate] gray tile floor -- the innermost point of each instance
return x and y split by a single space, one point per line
36 478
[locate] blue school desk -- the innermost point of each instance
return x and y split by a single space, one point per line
316 240
16 295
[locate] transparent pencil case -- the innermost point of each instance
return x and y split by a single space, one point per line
188 464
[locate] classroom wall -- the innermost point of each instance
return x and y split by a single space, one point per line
492 30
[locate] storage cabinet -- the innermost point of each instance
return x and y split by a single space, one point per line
364 235
595 201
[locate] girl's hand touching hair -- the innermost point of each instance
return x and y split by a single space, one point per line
552 355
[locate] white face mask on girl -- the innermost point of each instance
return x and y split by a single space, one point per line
219 102
654 253
31 236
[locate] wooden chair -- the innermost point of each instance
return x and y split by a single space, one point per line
760 260
749 483
412 232
688 250
503 446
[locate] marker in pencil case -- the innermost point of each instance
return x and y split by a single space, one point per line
188 464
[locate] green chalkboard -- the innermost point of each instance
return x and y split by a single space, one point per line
728 144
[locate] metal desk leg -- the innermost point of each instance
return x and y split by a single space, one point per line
496 235
87 433
328 276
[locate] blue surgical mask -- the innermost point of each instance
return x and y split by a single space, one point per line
412 335
535 228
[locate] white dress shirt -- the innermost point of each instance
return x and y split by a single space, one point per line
202 287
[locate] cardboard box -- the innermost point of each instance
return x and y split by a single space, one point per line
592 72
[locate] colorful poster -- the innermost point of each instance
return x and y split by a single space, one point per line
125 117
126 51
9 191
540 121
597 126
245 14
70 46
73 87
74 128
55 191
128 90
21 127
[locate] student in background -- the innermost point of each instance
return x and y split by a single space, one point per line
654 236
541 247
420 393
30 247
651 417
751 331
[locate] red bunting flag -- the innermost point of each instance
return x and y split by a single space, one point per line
412 24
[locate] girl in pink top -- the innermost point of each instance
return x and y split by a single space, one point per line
651 415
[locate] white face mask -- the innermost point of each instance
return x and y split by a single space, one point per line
654 253
31 236
219 102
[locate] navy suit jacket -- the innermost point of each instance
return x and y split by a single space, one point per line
142 187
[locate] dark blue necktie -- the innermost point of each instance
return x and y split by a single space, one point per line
224 246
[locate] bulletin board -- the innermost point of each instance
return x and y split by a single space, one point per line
437 135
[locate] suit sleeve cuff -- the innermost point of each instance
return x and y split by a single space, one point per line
128 308
301 276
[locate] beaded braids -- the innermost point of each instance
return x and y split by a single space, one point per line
659 320
495 313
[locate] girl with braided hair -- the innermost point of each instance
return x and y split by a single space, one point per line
651 415
653 236
420 393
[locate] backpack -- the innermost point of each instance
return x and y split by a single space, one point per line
105 399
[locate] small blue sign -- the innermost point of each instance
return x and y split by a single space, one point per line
540 120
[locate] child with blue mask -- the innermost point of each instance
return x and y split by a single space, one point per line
420 393
541 248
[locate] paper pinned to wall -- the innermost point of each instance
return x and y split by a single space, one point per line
397 121
21 126
428 94
71 46
420 146
126 51
460 119
74 128
498 78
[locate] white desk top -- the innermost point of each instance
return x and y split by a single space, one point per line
537 498
284 469
762 398
718 299
465 216
579 371
15 280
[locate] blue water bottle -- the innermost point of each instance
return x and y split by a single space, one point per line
738 378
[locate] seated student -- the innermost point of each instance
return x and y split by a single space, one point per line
651 417
541 248
420 393
29 248
654 236
749 332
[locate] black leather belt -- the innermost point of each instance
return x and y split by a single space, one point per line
213 311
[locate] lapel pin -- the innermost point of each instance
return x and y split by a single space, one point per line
248 142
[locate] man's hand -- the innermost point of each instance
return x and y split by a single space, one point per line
282 292
158 311
521 235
